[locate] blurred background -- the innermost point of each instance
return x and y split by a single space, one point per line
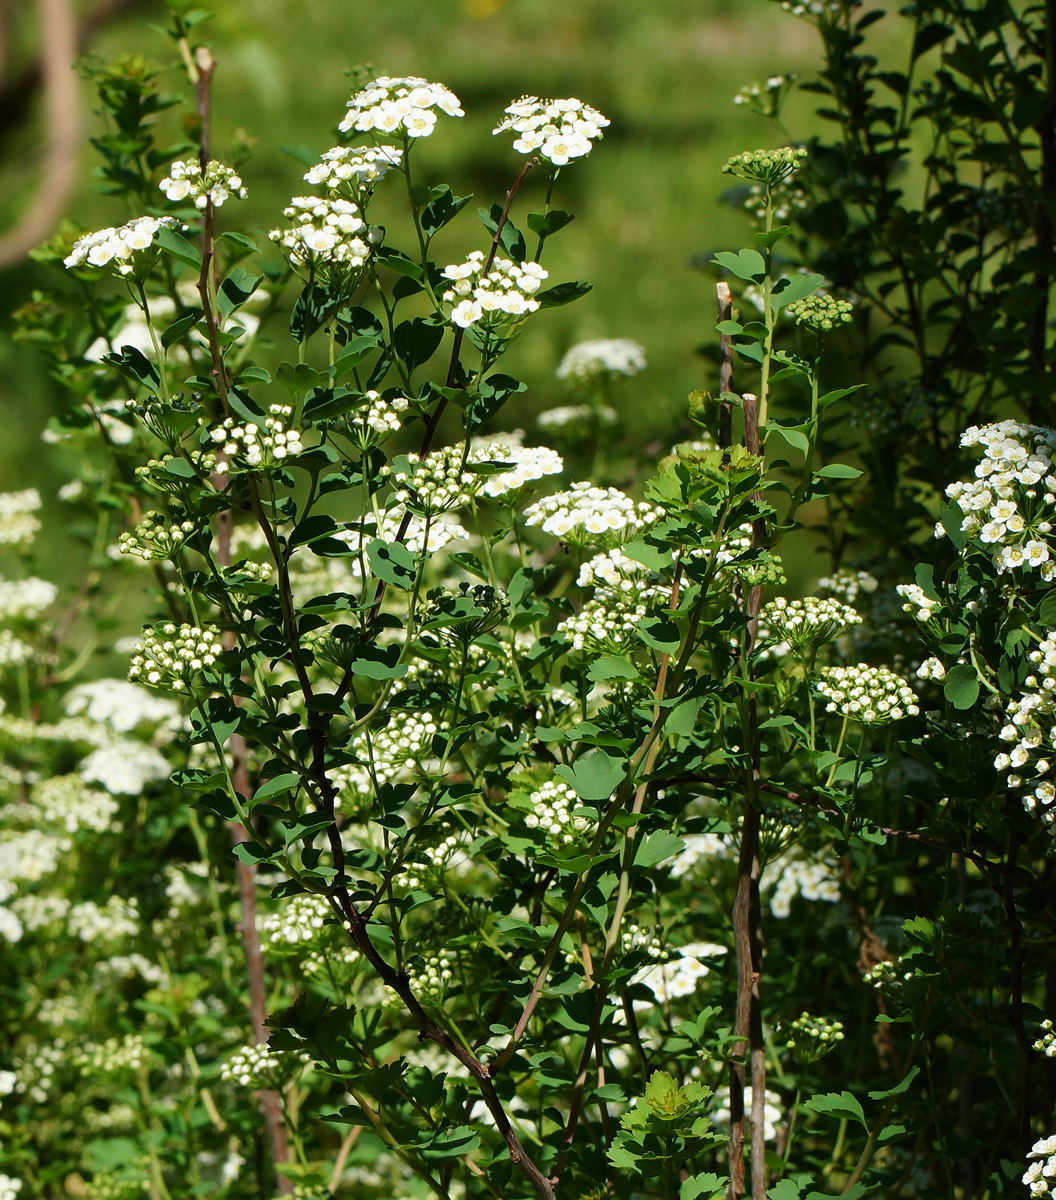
646 201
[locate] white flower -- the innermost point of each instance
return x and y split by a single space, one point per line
587 361
403 104
500 296
559 130
101 248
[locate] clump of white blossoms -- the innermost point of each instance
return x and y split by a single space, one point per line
117 246
9 1187
528 463
931 668
405 106
113 921
18 526
848 584
300 921
25 599
768 167
257 446
65 803
170 656
187 181
490 296
113 1056
681 975
576 422
354 167
588 515
557 130
257 1066
324 232
814 619
1009 505
605 624
1043 1167
613 569
443 530
372 423
404 742
440 481
554 811
156 537
1046 1044
917 603
603 358
874 695
811 880
1030 730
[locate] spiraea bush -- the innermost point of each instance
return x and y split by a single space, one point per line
472 822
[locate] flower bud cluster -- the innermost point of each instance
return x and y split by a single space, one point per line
117 245
1030 731
1046 1044
156 537
587 515
440 481
557 130
887 973
636 939
156 470
810 1038
767 167
257 1066
170 656
113 1056
186 181
406 106
605 624
404 741
613 569
301 920
765 98
371 424
821 313
1042 1170
576 422
324 232
501 296
1010 505
874 695
812 620
18 526
255 447
604 358
354 167
917 603
931 668
848 583
554 812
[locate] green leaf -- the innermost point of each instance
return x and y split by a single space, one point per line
962 686
837 471
178 328
178 247
712 1187
1047 611
563 293
784 1189
595 775
950 518
837 394
786 290
379 662
841 1105
544 224
443 207
660 633
796 439
899 1088
240 239
610 667
416 341
453 1142
392 562
251 853
745 264
276 785
770 239
656 847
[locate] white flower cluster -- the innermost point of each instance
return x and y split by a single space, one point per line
500 297
254 446
814 619
553 811
871 694
38 912
356 167
605 357
405 740
27 855
1010 504
773 1111
588 515
680 976
613 569
65 803
443 530
528 464
576 422
1046 1044
301 920
1043 1168
1030 730
155 537
13 650
9 1187
557 130
825 9
919 605
323 232
931 668
125 767
128 966
440 481
847 583
371 424
117 245
25 599
605 623
700 848
185 180
256 1066
18 526
109 922
403 105
113 1056
811 880
754 94
171 655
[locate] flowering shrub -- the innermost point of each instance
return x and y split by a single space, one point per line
433 842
